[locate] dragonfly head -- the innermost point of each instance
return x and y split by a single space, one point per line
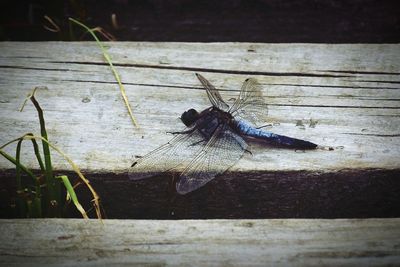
189 117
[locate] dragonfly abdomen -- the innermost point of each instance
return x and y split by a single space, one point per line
247 129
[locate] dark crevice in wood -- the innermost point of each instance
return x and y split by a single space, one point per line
227 90
358 97
221 89
367 98
373 81
376 135
376 99
363 193
27 57
361 72
262 73
331 86
33 68
333 106
140 84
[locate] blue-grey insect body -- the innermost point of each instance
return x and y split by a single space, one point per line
249 130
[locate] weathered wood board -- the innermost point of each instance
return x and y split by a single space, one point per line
57 242
344 96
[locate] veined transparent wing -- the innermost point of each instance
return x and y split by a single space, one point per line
250 105
222 151
179 150
213 94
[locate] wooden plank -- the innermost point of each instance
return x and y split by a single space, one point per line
344 96
60 242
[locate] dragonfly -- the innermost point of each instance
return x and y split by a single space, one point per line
214 139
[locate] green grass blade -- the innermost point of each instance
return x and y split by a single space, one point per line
18 165
71 32
20 194
37 202
33 205
96 198
53 185
114 71
21 166
72 194
46 150
37 153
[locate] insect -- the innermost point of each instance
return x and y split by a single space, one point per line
213 139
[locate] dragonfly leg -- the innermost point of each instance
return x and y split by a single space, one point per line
248 151
198 142
264 126
183 132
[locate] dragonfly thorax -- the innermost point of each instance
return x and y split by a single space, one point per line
192 116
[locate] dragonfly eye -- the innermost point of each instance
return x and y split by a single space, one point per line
189 117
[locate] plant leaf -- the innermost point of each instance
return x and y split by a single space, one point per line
72 194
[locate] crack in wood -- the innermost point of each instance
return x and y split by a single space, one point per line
261 73
228 90
141 84
28 57
333 106
361 72
33 68
375 81
220 89
360 97
376 135
332 86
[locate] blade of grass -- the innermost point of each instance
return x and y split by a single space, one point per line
21 166
96 198
53 185
55 193
33 204
37 201
116 75
72 195
20 196
71 31
18 166
37 153
35 148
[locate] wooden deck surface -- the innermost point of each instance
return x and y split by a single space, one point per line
60 242
343 96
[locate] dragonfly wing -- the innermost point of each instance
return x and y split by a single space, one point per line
250 105
213 94
222 151
177 151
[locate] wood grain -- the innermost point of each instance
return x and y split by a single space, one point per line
57 242
344 96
